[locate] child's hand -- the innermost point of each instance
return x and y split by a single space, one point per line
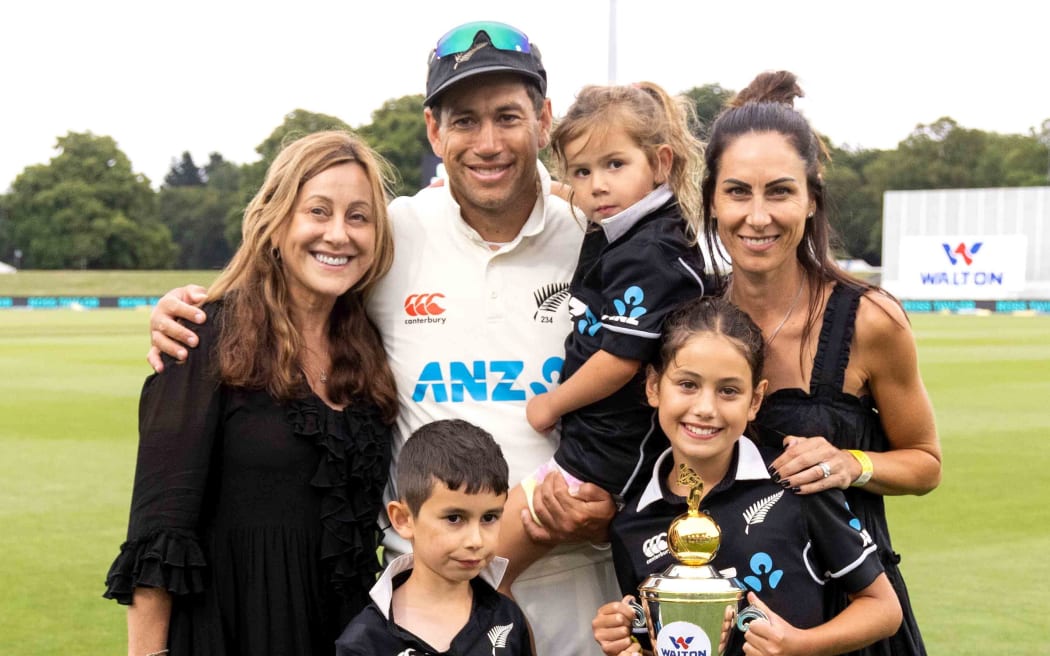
541 416
775 637
612 628
728 624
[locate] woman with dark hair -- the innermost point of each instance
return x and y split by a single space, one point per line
263 458
845 399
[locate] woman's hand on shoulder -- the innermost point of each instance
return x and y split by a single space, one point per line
886 358
799 468
167 335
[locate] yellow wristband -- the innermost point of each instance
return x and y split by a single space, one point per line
866 468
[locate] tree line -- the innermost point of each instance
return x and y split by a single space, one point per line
88 209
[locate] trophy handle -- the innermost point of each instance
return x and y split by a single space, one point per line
639 615
748 615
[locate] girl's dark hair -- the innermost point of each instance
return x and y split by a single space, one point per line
712 314
767 105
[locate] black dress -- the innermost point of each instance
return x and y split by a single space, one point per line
848 422
260 518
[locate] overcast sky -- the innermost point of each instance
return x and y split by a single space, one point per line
219 75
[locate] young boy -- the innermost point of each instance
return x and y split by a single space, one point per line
442 599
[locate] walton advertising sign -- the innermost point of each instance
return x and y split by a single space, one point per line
963 266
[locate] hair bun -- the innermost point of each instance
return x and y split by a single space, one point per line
771 86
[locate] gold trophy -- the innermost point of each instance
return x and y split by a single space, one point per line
690 607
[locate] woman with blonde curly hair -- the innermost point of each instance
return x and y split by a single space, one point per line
263 458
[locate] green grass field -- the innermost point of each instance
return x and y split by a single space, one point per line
975 550
99 283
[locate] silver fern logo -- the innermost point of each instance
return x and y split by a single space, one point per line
498 636
548 299
465 56
756 512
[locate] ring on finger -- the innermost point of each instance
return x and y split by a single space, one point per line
824 469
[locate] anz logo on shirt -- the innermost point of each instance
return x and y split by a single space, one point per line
482 380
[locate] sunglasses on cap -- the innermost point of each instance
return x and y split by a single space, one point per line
501 36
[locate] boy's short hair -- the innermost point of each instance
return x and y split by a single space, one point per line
452 451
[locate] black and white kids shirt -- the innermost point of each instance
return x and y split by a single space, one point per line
632 272
786 548
496 625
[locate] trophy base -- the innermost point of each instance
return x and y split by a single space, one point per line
690 628
689 610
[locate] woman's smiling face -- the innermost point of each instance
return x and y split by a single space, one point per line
762 202
329 243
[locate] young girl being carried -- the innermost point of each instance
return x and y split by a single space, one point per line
633 167
785 548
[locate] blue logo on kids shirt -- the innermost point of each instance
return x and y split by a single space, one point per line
589 323
583 318
857 526
762 566
456 381
629 307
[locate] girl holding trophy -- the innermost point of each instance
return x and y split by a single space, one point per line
784 548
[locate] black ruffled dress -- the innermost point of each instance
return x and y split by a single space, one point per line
259 518
848 422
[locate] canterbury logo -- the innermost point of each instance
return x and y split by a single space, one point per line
655 546
465 56
423 305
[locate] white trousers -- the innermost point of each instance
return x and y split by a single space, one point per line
561 593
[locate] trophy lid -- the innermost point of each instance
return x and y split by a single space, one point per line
690 605
693 539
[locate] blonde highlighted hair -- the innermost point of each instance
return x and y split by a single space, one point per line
259 345
651 118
